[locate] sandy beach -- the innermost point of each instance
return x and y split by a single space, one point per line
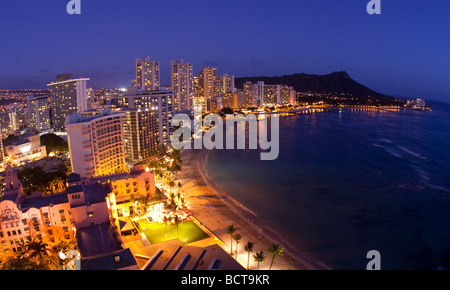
216 210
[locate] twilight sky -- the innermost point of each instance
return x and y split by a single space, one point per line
405 51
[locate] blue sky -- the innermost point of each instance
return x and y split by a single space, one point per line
404 51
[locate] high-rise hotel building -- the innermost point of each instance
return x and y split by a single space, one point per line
207 82
260 94
147 74
96 144
38 113
182 83
225 84
253 94
140 129
159 102
67 96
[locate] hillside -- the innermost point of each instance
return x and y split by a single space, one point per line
338 86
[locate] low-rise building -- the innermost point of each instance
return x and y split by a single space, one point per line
26 147
25 218
87 212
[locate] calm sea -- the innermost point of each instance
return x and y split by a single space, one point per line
353 181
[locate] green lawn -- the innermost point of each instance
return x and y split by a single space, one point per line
156 233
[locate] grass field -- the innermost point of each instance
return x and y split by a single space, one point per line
156 233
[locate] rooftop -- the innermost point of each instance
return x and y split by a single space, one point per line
95 193
73 177
19 140
43 201
11 197
173 255
135 171
96 240
114 261
77 118
67 81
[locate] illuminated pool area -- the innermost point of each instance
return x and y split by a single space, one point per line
188 232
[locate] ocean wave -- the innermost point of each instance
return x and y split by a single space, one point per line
391 151
386 140
377 145
423 174
406 150
438 187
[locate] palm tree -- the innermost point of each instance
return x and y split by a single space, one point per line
178 197
158 198
249 248
179 186
276 251
230 231
166 221
22 249
37 249
56 185
171 184
171 204
259 257
237 237
182 201
60 184
177 220
143 206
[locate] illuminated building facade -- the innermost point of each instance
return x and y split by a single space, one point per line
25 218
224 84
147 74
26 147
233 100
182 84
199 104
67 96
140 129
253 94
38 113
159 101
207 82
13 121
96 144
126 189
88 213
287 95
258 94
271 95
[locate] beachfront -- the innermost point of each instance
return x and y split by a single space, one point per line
215 210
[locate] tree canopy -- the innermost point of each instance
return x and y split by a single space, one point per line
36 179
53 142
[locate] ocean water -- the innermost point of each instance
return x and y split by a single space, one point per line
353 181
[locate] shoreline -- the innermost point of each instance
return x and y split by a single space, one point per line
204 196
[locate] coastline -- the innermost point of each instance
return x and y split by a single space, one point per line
216 210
